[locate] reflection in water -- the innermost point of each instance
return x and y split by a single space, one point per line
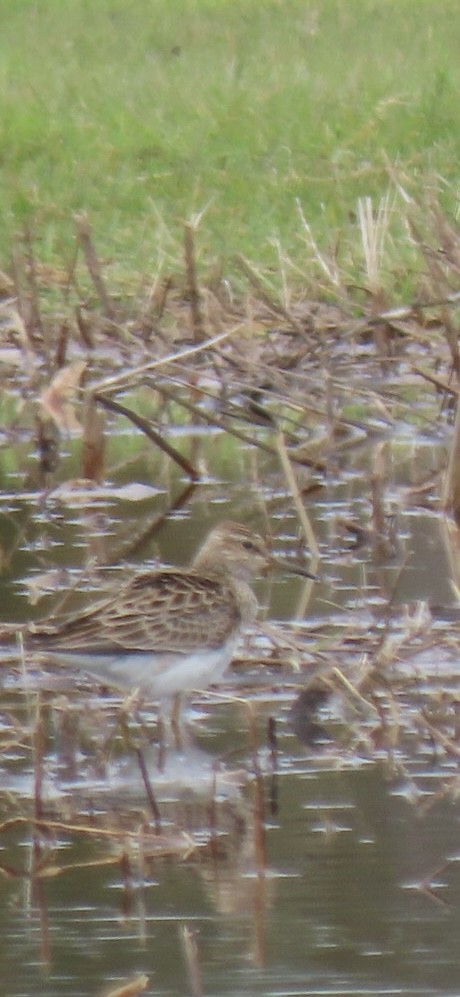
324 895
97 828
304 711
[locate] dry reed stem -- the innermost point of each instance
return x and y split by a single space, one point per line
25 322
84 328
192 284
328 267
60 353
446 742
451 334
276 307
437 382
128 379
449 237
35 318
203 416
161 297
379 480
94 442
294 490
451 489
348 685
83 230
374 230
214 420
451 541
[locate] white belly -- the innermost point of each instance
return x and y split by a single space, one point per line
158 676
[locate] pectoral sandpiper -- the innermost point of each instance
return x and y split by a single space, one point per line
166 631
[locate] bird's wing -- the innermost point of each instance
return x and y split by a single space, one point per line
161 611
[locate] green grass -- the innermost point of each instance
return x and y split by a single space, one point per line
147 113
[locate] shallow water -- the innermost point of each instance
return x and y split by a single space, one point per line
337 907
327 867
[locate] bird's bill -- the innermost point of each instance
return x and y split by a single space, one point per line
292 567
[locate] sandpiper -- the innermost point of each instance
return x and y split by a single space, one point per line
166 631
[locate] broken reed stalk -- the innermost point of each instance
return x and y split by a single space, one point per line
84 328
192 284
24 304
153 310
93 444
146 428
451 544
297 499
60 353
451 490
451 334
92 262
35 318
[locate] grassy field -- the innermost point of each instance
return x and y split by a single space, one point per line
242 113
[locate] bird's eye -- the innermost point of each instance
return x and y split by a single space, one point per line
248 544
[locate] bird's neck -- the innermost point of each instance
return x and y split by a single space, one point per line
219 570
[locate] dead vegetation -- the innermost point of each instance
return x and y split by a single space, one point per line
308 385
